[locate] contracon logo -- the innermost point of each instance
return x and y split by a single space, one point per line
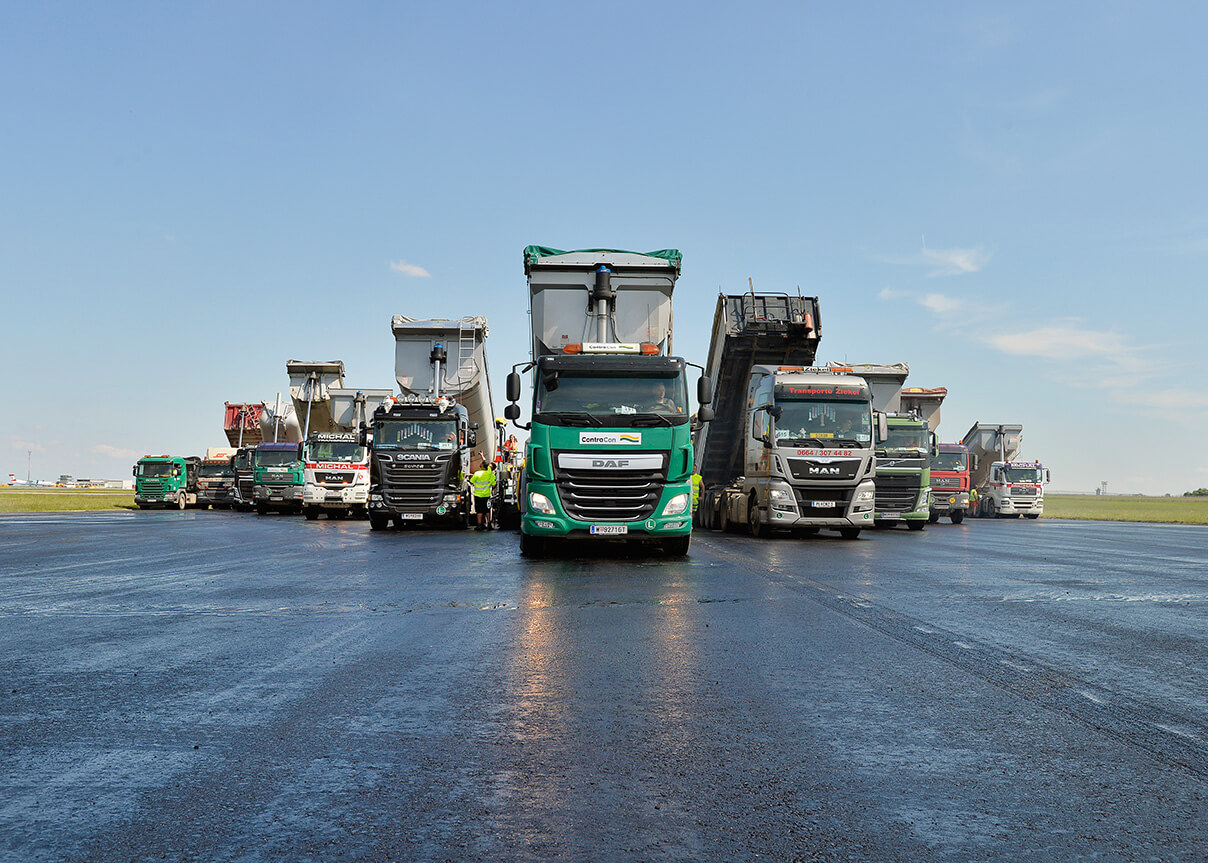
610 438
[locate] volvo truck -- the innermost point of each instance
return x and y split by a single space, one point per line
426 441
609 454
1005 485
790 446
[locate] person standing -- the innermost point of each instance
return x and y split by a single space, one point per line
482 484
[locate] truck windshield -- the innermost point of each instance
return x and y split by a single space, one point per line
156 469
214 470
1022 474
415 434
276 458
905 438
954 461
613 399
801 421
335 450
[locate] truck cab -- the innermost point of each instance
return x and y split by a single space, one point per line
336 475
1015 488
950 482
165 481
904 473
277 478
216 482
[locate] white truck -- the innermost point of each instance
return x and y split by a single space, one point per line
1005 486
335 471
426 439
790 446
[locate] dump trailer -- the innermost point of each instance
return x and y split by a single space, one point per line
1005 487
609 454
279 422
165 481
425 444
216 478
790 447
903 477
242 423
335 456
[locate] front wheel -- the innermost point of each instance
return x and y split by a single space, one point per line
754 522
181 503
378 522
849 532
723 516
262 509
1031 515
933 517
311 513
957 516
916 525
532 546
676 546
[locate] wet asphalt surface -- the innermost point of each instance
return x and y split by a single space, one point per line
213 686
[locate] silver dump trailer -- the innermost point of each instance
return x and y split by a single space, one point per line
1005 485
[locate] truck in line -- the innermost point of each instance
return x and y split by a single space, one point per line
1005 486
609 454
424 441
277 477
950 482
903 475
790 445
216 478
165 481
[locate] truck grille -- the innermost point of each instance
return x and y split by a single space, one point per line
152 486
896 493
245 488
1022 492
413 485
945 481
610 495
806 497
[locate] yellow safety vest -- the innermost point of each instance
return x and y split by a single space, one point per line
482 481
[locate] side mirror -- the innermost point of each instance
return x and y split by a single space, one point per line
972 462
513 387
704 391
134 471
704 414
472 438
935 445
882 427
1047 477
512 411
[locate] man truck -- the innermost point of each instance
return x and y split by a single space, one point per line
609 454
277 477
1006 487
425 441
165 481
903 478
790 447
950 482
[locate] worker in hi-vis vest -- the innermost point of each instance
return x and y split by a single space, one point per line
696 480
482 482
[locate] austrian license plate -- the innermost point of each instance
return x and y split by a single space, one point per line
822 504
413 516
609 529
889 515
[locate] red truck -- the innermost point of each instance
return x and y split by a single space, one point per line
950 482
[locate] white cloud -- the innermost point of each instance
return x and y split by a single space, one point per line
1069 342
891 294
409 269
941 304
955 262
114 452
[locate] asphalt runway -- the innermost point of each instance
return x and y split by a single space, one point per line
213 686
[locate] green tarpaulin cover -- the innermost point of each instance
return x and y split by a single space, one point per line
532 254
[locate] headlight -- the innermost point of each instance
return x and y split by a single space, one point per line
865 496
540 503
676 505
778 494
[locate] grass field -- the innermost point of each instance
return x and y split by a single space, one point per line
64 499
1171 510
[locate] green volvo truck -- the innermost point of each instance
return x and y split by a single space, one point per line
166 481
609 454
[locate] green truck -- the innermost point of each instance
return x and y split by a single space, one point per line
166 481
278 478
609 454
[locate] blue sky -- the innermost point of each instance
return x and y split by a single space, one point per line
1009 197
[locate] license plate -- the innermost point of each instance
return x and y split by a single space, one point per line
333 498
822 504
609 529
889 515
413 516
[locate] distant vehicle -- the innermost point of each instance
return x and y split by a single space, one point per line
278 478
165 481
243 497
1006 487
950 482
216 478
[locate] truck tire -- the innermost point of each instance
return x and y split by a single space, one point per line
933 517
723 517
957 516
532 546
1031 515
378 522
181 503
676 546
144 506
755 524
262 509
917 524
849 532
989 509
311 513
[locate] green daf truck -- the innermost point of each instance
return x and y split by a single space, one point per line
166 481
609 455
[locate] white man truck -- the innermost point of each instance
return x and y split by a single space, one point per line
428 440
790 447
1005 486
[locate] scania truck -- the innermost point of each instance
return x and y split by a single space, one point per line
165 481
609 454
425 442
790 448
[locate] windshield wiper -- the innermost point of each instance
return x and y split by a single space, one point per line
642 418
566 416
801 441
